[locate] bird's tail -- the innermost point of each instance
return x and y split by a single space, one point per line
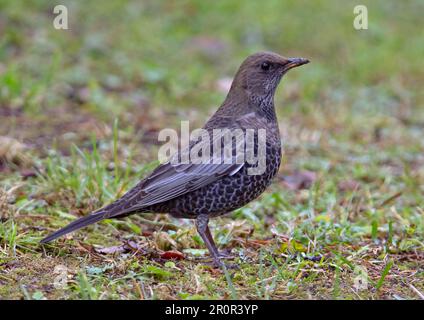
78 224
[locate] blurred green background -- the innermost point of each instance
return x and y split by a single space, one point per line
172 52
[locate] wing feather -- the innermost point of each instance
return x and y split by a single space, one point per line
173 179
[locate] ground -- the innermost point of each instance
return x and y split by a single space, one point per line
81 109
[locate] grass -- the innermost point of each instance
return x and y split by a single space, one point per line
80 111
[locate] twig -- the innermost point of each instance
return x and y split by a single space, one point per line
417 291
390 199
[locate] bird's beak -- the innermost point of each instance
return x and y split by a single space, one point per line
294 62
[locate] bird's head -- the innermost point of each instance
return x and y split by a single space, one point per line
260 74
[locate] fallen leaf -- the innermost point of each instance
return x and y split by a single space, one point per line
172 255
111 250
157 272
13 151
28 173
292 246
299 180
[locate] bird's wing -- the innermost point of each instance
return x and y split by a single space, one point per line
166 182
173 179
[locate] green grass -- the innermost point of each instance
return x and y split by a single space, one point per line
83 108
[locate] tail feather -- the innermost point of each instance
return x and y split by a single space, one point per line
114 210
77 224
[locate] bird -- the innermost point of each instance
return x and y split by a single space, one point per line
201 191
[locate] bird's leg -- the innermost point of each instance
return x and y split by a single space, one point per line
203 229
221 254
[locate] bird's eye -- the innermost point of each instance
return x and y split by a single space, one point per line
265 66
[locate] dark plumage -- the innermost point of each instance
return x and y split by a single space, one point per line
201 191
